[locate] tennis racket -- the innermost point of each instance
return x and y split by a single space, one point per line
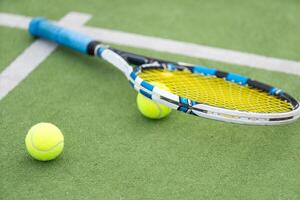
195 90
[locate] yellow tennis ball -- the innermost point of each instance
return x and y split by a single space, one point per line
152 109
44 141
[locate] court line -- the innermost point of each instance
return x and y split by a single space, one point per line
33 55
171 46
14 21
192 50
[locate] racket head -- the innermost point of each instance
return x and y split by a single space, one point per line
214 94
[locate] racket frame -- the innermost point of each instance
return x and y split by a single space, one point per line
122 60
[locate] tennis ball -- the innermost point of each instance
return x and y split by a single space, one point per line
152 109
44 141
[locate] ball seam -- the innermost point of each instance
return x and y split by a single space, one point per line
38 149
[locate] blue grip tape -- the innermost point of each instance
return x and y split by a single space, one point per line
40 27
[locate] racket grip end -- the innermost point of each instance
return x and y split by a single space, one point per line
40 27
34 23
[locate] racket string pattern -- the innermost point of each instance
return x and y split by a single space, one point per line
217 92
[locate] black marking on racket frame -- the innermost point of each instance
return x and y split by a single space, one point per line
259 85
169 100
288 98
281 119
221 74
91 47
266 88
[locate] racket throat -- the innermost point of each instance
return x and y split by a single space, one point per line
96 48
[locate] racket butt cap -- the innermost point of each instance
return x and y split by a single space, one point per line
34 23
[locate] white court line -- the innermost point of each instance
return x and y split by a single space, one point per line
171 46
32 56
192 50
14 21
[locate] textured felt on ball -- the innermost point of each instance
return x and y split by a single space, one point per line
44 141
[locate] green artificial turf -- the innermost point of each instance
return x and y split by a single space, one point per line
13 42
111 151
268 27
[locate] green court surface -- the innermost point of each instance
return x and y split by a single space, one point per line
111 151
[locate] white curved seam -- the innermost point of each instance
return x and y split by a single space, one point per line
35 147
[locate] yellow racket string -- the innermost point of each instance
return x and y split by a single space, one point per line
216 92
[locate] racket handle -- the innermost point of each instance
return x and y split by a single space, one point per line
42 28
